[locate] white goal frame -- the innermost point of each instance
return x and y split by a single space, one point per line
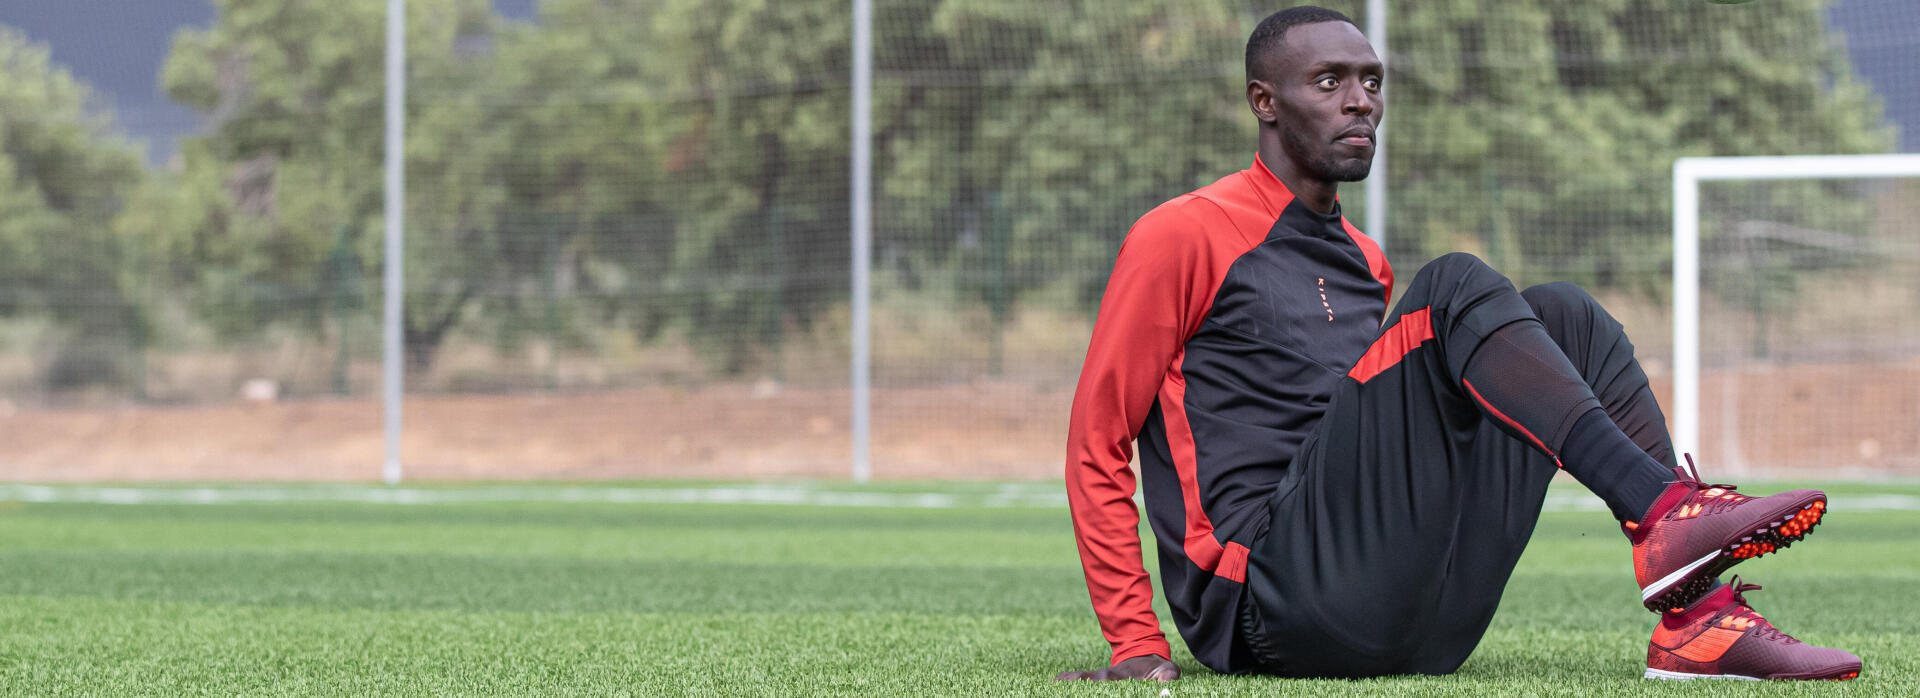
1688 173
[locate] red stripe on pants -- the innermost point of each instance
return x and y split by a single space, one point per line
1413 329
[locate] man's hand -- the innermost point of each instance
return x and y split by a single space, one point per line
1151 666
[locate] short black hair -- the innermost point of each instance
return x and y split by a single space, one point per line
1266 38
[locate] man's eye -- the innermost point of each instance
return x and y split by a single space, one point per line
1372 84
1328 83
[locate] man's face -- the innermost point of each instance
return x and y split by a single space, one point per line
1326 84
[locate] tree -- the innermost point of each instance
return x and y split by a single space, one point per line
63 175
749 102
294 91
1015 143
1549 128
679 168
577 170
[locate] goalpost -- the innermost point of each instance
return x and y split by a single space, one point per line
1688 173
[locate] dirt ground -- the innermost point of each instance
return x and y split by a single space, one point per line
1802 420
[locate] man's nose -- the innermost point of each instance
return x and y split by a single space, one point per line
1357 102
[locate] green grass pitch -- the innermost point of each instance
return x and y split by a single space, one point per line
316 598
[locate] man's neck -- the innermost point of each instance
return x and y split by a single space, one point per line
1316 194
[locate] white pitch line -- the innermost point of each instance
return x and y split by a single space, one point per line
1009 496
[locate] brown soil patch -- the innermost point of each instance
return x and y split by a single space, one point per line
1808 420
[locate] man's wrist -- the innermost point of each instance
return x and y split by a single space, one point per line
1142 649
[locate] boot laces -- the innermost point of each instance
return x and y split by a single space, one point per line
1720 496
1745 615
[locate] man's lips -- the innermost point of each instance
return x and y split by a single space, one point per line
1359 135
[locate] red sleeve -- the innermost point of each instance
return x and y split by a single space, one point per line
1146 315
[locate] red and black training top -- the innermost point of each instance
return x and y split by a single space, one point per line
1232 313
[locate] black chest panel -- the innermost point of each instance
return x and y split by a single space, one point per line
1290 318
1307 288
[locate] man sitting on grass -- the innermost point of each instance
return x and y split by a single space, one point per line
1341 491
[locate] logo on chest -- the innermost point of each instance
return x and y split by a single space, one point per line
1323 298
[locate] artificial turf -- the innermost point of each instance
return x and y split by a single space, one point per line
583 598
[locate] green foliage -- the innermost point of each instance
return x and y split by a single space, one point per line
1552 126
747 117
1070 130
63 175
678 169
294 93
1541 135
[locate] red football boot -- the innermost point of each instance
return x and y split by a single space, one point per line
1721 637
1695 531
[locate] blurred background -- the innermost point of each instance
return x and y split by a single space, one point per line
628 221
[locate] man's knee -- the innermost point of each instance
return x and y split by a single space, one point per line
1566 307
1452 275
1452 266
1468 301
1457 280
1559 295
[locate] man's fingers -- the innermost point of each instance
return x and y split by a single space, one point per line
1165 672
1148 667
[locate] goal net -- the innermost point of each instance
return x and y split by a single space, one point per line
1795 279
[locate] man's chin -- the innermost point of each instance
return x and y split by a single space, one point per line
1350 170
1353 174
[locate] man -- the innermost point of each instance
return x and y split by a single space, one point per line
1341 491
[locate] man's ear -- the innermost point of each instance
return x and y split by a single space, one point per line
1260 98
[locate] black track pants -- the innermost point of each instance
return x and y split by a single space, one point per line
1395 530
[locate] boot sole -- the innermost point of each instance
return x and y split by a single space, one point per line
1695 579
1665 675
